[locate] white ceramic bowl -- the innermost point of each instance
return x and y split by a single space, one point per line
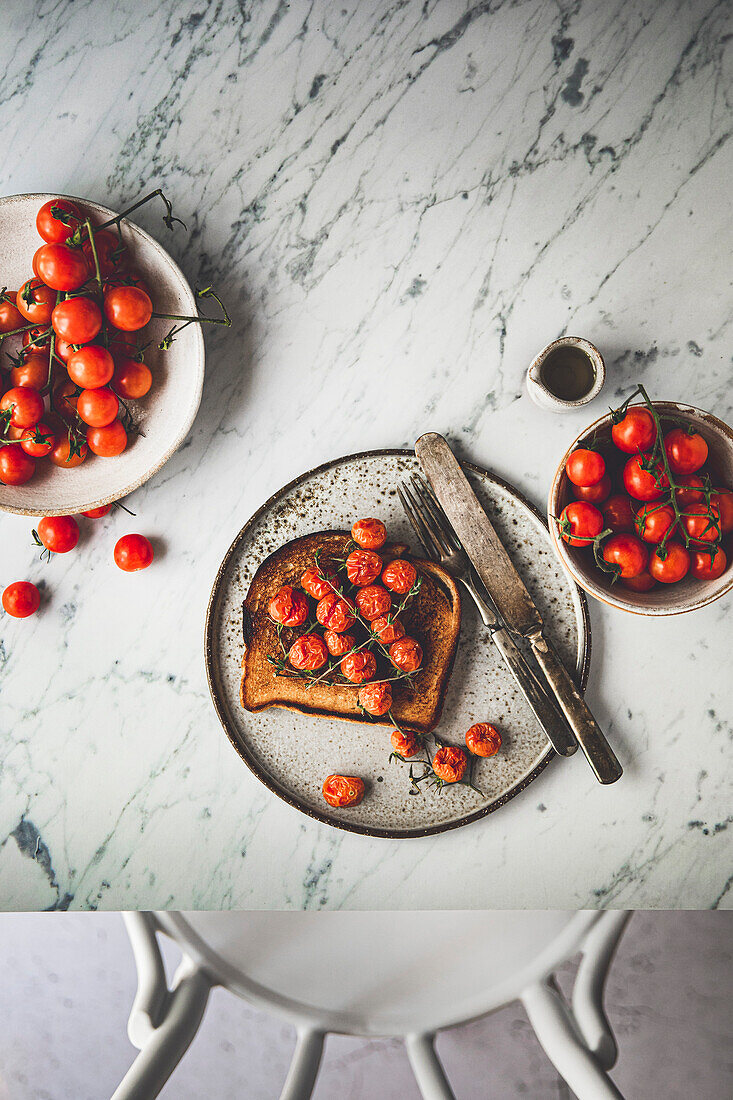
663 599
165 414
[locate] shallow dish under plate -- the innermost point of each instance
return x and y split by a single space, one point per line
293 753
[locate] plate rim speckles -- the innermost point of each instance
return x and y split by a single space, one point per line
218 695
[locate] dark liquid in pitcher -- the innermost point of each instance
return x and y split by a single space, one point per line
568 373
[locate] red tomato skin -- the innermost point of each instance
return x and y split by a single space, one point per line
335 613
128 308
59 534
722 499
386 631
375 698
26 403
97 408
370 534
32 372
399 576
37 441
654 521
97 513
308 653
673 567
642 484
686 453
405 744
91 367
449 764
51 229
77 320
107 442
689 490
618 514
594 494
706 567
635 432
406 654
61 454
288 607
628 553
38 310
21 599
338 644
643 583
702 523
483 739
10 317
132 379
373 601
340 791
585 522
359 667
133 552
61 267
318 582
585 467
16 467
363 567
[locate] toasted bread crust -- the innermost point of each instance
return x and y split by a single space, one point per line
433 618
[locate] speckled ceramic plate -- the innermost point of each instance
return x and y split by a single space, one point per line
293 753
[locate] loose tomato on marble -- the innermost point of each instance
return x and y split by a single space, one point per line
702 522
363 567
135 552
91 367
594 494
97 513
57 220
653 521
579 523
483 739
706 566
68 454
643 583
642 483
335 613
359 667
388 629
319 582
618 514
77 320
61 267
38 441
107 442
131 378
308 653
32 371
127 308
406 744
722 499
288 607
627 553
36 301
399 576
635 432
338 644
98 408
373 601
686 451
585 467
376 698
406 654
673 566
340 791
24 404
370 534
10 317
16 467
59 534
449 764
21 599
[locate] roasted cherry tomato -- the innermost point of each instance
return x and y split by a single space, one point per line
343 790
702 522
131 379
594 494
132 553
635 432
399 576
16 467
91 367
673 566
10 318
67 454
627 553
127 308
689 490
36 301
363 567
641 483
585 467
375 698
32 372
373 601
288 607
109 441
57 220
61 267
483 739
318 582
722 499
686 451
97 513
406 654
579 523
59 534
370 534
308 653
335 613
77 320
449 764
21 599
338 644
37 441
98 408
643 583
653 521
618 514
708 566
388 629
405 744
26 405
359 667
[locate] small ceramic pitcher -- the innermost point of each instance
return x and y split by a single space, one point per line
547 370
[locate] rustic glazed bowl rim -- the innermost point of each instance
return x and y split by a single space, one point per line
581 672
652 611
196 361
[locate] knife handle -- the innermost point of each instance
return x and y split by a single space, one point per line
590 737
555 728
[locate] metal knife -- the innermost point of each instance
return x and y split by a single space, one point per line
509 593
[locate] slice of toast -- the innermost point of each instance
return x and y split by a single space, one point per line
433 618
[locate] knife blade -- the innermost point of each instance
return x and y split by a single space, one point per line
509 592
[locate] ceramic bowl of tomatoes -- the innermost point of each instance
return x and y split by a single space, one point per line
614 524
127 425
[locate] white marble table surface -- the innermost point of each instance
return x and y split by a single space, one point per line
401 203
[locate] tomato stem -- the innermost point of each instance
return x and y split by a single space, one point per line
168 217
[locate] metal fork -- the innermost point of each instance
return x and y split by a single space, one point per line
441 544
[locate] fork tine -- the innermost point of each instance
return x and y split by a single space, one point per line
433 516
418 526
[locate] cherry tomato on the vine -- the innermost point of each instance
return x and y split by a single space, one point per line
686 451
110 252
36 301
37 339
127 308
32 371
38 441
67 455
77 320
635 432
644 582
627 553
59 534
57 220
98 407
134 552
579 523
21 599
16 467
585 467
653 521
131 379
705 566
26 404
109 441
61 267
722 499
338 644
689 490
618 514
594 494
644 484
91 367
702 522
318 582
673 566
10 317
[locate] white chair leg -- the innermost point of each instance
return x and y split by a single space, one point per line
169 1040
304 1067
590 980
559 1035
152 988
429 1074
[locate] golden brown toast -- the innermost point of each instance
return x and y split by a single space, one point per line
433 617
